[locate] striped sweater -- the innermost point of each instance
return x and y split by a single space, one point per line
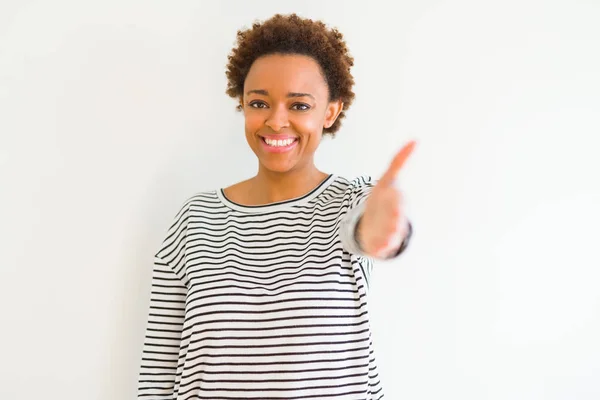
262 302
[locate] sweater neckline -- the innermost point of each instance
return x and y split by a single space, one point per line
279 205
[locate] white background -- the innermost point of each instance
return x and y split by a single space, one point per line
113 113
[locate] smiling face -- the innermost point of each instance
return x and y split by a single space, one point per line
286 106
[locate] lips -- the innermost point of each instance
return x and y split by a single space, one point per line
278 149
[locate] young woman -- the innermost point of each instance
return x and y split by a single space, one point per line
259 290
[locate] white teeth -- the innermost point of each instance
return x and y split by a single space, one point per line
279 143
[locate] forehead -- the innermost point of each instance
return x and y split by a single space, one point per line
280 74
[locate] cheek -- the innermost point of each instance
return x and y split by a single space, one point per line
253 122
309 124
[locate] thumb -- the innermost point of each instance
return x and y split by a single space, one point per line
400 158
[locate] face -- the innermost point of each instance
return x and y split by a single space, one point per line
286 107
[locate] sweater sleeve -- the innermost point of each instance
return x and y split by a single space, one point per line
159 377
355 198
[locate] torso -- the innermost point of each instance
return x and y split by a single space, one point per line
275 308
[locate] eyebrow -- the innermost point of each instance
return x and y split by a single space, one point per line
290 94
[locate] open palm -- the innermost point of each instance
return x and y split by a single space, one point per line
383 224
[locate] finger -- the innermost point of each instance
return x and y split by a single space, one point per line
390 175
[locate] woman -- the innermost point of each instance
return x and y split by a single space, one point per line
259 289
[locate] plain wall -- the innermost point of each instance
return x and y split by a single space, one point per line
113 113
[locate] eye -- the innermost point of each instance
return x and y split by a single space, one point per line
301 107
257 104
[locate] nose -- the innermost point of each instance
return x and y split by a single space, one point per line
278 119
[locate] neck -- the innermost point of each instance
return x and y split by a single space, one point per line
269 186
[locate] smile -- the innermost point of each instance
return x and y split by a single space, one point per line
279 145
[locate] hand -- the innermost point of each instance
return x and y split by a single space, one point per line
383 224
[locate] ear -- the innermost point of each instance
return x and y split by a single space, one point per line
334 108
241 101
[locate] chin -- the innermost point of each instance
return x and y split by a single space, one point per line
278 166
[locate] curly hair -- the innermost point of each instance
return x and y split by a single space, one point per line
291 34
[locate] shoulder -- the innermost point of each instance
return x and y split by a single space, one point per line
356 182
357 188
362 181
204 201
195 205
